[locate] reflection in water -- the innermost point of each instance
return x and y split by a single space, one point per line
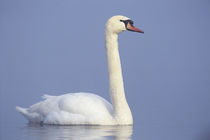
51 132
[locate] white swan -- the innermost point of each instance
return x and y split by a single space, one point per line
88 108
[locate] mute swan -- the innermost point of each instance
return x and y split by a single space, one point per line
88 108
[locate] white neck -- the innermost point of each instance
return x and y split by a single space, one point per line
122 111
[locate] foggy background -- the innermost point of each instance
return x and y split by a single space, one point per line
57 46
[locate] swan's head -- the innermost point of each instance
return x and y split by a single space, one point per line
117 24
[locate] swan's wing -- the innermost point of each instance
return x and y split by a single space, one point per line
84 103
92 107
72 108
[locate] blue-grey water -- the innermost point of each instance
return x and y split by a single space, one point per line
37 132
144 131
56 47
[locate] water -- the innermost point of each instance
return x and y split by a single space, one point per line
53 132
76 132
145 131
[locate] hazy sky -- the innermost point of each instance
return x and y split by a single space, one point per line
57 46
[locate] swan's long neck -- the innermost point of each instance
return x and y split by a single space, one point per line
122 111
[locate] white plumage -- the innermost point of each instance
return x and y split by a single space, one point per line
88 108
72 108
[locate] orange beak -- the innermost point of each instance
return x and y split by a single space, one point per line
133 28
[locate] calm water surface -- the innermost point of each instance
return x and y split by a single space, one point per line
24 131
53 132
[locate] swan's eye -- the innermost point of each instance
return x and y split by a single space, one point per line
127 21
131 22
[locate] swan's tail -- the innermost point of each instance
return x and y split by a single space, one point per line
22 110
32 117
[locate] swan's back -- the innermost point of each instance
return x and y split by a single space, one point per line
72 108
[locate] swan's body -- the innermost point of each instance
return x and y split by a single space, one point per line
72 108
88 108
